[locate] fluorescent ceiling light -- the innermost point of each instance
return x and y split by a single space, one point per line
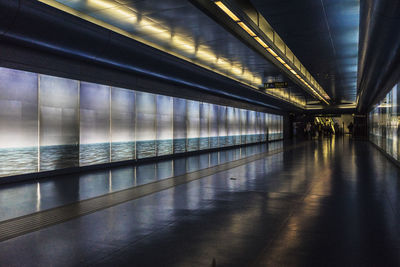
247 29
227 11
287 66
272 52
280 60
261 42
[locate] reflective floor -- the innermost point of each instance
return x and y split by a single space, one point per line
28 197
332 202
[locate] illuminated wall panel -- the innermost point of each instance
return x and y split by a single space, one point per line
165 131
270 127
251 126
222 129
257 132
94 124
59 123
204 125
18 122
263 127
236 127
180 128
146 111
273 127
49 123
243 125
213 130
193 125
267 126
122 124
230 123
383 123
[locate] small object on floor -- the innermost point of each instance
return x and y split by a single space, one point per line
214 263
233 178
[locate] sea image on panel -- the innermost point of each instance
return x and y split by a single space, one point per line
193 144
179 145
230 141
164 147
254 138
90 154
222 141
15 161
249 139
122 151
263 137
146 149
237 139
213 142
58 157
204 143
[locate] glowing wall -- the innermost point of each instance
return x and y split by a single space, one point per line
49 123
59 123
18 122
165 131
123 121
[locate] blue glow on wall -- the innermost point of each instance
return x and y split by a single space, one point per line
49 123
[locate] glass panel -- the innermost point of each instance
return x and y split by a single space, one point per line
384 124
179 125
232 127
18 122
222 132
145 125
243 125
122 124
257 136
213 130
165 133
59 123
193 125
94 124
251 126
236 126
204 124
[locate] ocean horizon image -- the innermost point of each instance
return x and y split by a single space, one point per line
122 151
146 149
58 157
14 161
192 144
90 154
180 145
204 143
164 147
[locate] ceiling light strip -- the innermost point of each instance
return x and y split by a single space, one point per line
318 91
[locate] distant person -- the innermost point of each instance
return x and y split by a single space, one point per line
350 127
319 130
308 130
336 126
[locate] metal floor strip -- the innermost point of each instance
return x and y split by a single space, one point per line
32 222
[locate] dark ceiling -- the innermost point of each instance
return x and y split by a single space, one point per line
323 34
